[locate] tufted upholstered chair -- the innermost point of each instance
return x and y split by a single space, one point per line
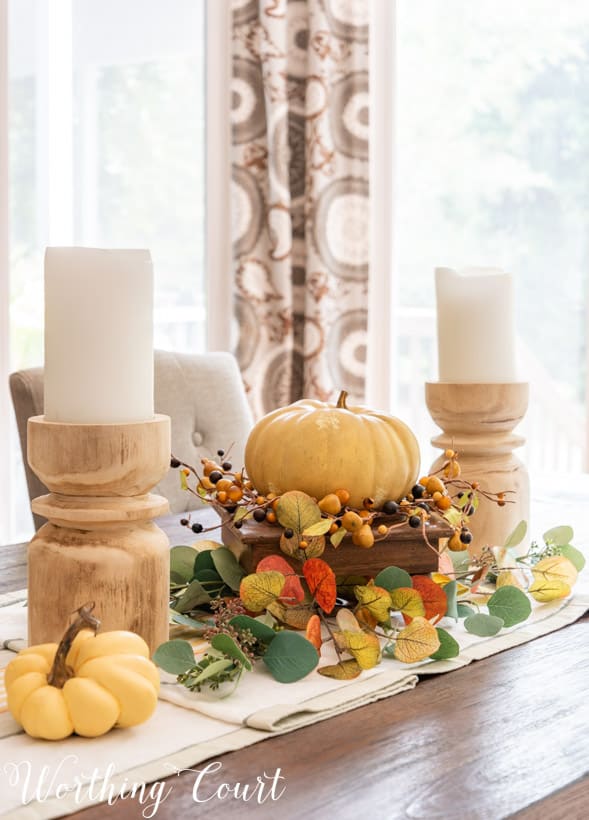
203 395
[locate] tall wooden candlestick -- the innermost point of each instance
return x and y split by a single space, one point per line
100 543
478 421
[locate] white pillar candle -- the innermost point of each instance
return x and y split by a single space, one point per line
476 325
98 335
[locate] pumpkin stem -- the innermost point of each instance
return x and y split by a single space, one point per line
60 672
341 402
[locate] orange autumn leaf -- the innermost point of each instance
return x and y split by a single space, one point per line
365 617
292 592
433 596
408 602
321 580
313 632
417 641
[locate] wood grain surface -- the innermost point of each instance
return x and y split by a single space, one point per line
505 737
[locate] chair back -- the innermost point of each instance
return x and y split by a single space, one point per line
203 395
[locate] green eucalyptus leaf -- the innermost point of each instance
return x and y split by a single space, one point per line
483 625
574 555
212 670
259 629
225 644
452 606
203 560
290 657
194 595
460 560
449 647
174 657
464 610
560 536
392 578
510 604
191 623
182 564
177 580
228 567
208 576
518 535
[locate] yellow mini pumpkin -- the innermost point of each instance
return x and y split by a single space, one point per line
316 448
86 685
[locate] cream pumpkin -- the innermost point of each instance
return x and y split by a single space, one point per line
317 448
85 685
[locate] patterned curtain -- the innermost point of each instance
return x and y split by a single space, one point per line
300 205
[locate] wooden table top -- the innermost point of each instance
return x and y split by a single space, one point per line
504 737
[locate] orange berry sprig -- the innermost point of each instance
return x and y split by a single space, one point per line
227 490
442 493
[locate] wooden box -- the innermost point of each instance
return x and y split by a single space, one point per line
404 548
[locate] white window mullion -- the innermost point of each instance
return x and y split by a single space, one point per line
6 505
380 289
218 176
54 125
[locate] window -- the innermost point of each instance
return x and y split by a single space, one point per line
107 139
493 169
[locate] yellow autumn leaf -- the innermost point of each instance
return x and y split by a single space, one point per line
555 568
260 589
417 641
375 599
407 601
344 670
363 646
441 579
545 591
508 578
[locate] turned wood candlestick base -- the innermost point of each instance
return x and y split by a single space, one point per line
478 421
99 543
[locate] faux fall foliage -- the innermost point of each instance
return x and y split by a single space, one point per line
393 615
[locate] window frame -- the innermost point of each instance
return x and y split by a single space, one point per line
58 184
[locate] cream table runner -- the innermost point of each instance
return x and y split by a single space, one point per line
41 779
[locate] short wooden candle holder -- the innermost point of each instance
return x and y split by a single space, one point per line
478 421
100 543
